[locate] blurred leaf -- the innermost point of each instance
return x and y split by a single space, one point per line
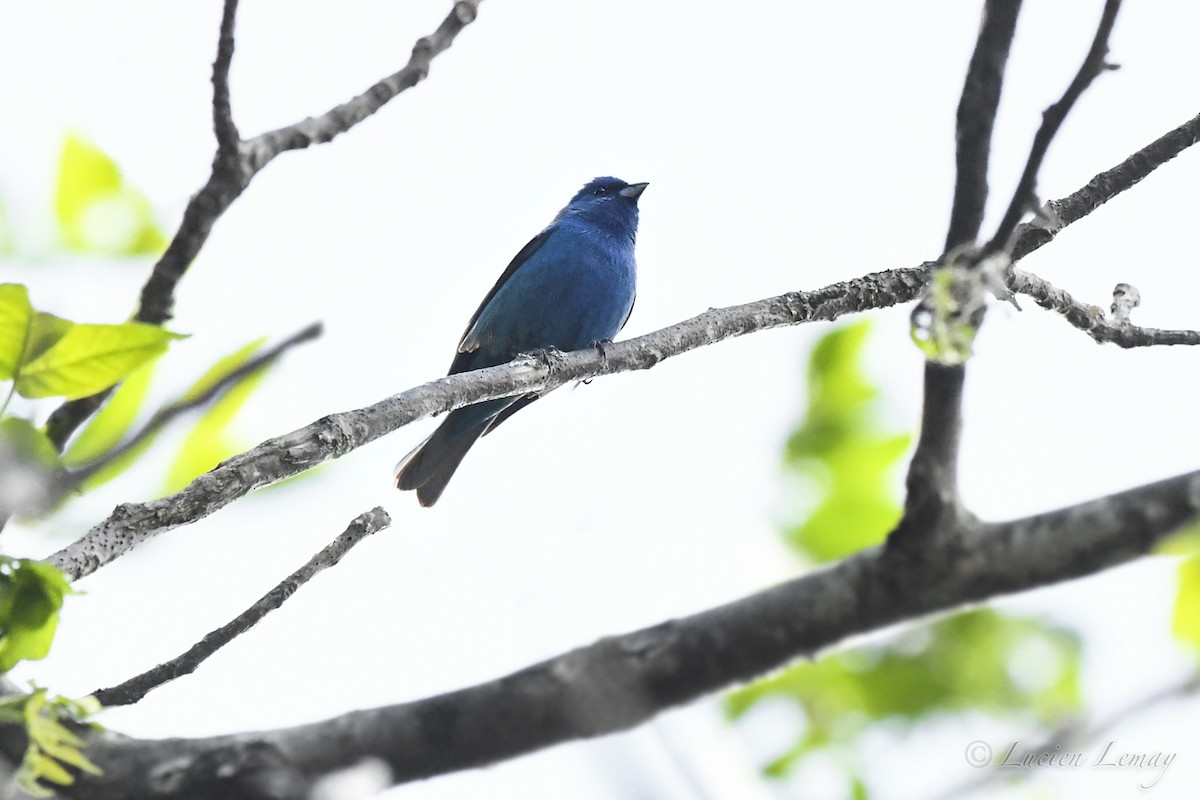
28 469
45 331
21 438
976 660
106 430
8 243
942 326
31 594
97 211
1185 621
52 745
844 460
208 443
15 316
90 358
973 661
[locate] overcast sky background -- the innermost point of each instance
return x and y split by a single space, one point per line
787 147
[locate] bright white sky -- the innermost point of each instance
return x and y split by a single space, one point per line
787 147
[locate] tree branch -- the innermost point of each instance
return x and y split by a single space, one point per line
134 689
619 682
977 117
1092 319
932 480
236 163
1108 184
337 434
1024 197
262 149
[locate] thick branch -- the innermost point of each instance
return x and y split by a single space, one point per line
932 481
977 118
136 688
622 681
335 435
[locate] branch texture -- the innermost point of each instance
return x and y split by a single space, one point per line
622 681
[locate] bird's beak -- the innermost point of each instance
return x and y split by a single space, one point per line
633 191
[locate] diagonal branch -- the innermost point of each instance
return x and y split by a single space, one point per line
1104 187
622 681
338 434
977 118
262 149
235 165
134 689
165 415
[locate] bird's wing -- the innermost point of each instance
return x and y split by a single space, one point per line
466 346
630 314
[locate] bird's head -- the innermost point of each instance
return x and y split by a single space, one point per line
610 203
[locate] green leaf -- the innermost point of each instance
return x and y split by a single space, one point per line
52 745
31 594
973 661
844 462
15 316
98 212
208 443
1185 621
91 358
45 331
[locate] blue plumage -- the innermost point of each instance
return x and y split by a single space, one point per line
573 285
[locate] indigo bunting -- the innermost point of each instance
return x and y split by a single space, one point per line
572 286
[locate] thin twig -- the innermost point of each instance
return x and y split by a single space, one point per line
1023 198
134 689
1092 319
237 162
260 150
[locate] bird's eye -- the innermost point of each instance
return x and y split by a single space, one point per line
600 191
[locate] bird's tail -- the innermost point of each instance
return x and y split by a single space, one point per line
431 464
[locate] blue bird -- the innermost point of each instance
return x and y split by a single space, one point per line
572 286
